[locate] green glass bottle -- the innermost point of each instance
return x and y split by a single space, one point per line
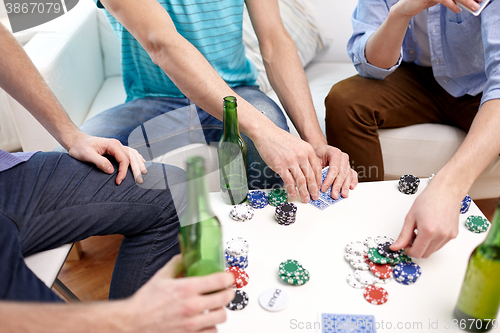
479 299
200 235
232 152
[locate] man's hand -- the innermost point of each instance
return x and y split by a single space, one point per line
413 7
340 173
298 163
91 149
435 215
194 304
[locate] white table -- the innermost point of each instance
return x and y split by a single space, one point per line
318 238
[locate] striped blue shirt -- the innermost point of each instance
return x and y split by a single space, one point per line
9 160
214 27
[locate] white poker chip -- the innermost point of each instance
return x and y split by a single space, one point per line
274 299
357 248
365 277
384 281
237 247
383 239
362 265
350 257
353 282
370 242
241 212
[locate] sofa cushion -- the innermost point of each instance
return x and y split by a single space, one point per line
112 93
301 26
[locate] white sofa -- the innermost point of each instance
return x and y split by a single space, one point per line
81 63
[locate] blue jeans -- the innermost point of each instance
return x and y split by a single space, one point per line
53 199
157 125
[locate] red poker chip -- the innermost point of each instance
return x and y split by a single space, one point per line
367 260
240 277
382 271
375 295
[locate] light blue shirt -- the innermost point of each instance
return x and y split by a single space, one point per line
214 27
465 49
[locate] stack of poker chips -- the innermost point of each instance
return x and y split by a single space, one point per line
241 278
408 184
464 207
237 253
477 224
241 212
292 272
286 213
277 196
406 272
257 199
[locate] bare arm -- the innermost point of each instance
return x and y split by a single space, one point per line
20 79
435 212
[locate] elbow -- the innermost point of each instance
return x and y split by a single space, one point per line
157 46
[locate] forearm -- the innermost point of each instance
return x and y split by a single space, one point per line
20 79
384 46
53 318
480 147
289 81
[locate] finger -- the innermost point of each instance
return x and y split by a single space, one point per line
420 245
354 181
141 161
407 234
330 177
215 300
434 245
100 161
207 320
453 6
212 329
315 166
213 282
312 184
347 184
289 183
172 268
339 180
114 149
301 182
135 167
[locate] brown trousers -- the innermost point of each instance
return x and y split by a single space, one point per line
357 107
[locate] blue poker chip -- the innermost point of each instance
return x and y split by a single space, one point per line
230 258
464 207
406 271
257 199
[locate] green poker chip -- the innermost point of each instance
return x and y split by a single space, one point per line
376 257
296 280
277 196
477 224
290 267
405 257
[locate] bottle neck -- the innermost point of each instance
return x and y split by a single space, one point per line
493 238
230 120
199 204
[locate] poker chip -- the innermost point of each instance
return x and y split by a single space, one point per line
239 261
477 224
350 257
376 295
240 277
385 281
464 207
405 257
356 248
239 302
296 280
362 265
406 272
385 250
277 196
376 257
370 242
382 272
286 213
242 212
257 199
365 277
408 184
237 247
274 299
383 239
290 267
353 282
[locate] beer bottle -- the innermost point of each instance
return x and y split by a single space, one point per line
232 152
479 298
200 234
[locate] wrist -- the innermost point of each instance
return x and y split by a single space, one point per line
397 12
69 139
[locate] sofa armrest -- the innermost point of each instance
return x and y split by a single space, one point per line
70 61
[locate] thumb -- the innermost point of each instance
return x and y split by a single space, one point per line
406 235
172 268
